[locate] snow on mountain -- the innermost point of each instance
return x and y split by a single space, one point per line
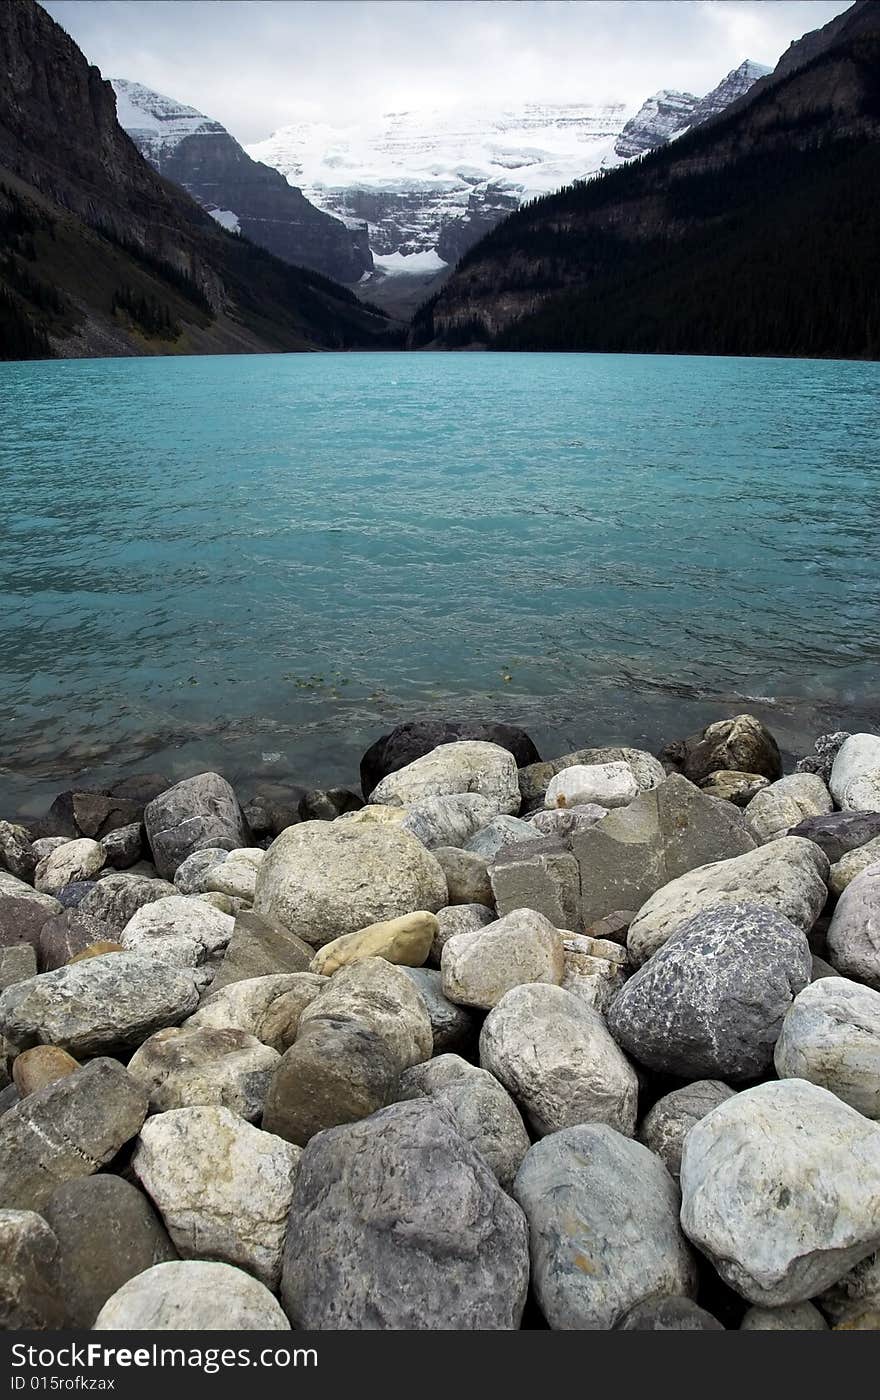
735 85
663 116
155 123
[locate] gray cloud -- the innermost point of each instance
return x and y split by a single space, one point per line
259 64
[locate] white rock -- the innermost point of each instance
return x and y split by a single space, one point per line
75 860
855 774
854 932
608 784
774 810
181 930
831 1036
237 875
250 1005
467 766
189 1067
479 967
853 863
192 1296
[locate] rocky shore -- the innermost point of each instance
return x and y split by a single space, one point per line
586 1043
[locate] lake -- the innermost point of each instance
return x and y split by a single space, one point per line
259 564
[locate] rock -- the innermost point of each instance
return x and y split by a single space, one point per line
323 879
68 933
268 1008
237 875
562 821
141 788
825 750
668 1315
17 855
731 786
534 779
466 875
17 964
461 1261
840 832
822 969
92 814
73 895
182 932
466 766
556 1059
23 911
446 821
335 1072
199 1065
75 860
831 1037
380 997
854 932
608 784
797 1317
453 1027
662 835
542 875
259 948
325 805
192 1296
500 832
197 813
775 810
191 875
614 927
43 846
845 870
666 1125
596 980
855 775
222 1187
603 1227
742 744
405 941
484 1112
710 1003
420 737
479 967
8 1096
96 950
68 1129
41 1065
781 1190
102 1004
33 1291
457 918
107 1233
117 898
787 876
124 846
377 815
855 1291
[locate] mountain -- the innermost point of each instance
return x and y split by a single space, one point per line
756 232
667 114
101 256
245 197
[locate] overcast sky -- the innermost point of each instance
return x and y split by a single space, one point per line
256 64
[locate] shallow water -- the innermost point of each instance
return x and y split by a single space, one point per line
259 564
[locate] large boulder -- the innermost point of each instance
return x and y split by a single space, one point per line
419 737
397 1223
855 776
74 861
181 931
479 967
199 812
606 784
540 874
116 898
192 1295
781 1190
535 778
268 1008
742 744
377 995
98 1005
33 1289
603 1227
853 938
222 1187
405 941
710 1003
788 876
556 1059
107 1232
184 1067
446 821
831 1036
23 911
333 1073
839 832
466 766
323 879
774 810
668 1122
69 1129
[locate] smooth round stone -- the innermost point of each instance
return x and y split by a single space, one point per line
266 1007
831 1036
798 1317
405 941
606 784
855 775
419 737
774 810
854 932
74 861
479 967
192 1296
335 1072
33 1069
377 995
854 863
464 766
668 1315
183 1067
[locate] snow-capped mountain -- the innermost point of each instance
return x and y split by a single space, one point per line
245 197
664 115
735 85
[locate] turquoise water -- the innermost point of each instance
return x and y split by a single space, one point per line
261 563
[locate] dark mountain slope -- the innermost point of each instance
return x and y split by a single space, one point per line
99 255
757 233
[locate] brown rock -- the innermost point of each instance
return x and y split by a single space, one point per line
43 1064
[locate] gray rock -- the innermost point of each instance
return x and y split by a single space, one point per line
22 911
115 899
821 760
198 1065
17 964
69 1129
742 744
555 1058
73 895
453 1027
781 806
464 766
123 847
191 816
379 996
335 1072
562 821
192 1295
460 1260
44 845
666 1125
486 1115
457 918
448 821
839 832
738 788
822 969
326 804
541 875
466 875
107 1233
258 948
855 775
857 1289
68 933
181 931
191 875
797 1317
831 1036
788 876
603 1227
854 932
781 1190
534 779
479 967
710 1003
844 871
500 832
33 1291
17 855
266 1007
418 737
668 1315
98 1005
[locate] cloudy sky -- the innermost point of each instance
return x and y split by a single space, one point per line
256 64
